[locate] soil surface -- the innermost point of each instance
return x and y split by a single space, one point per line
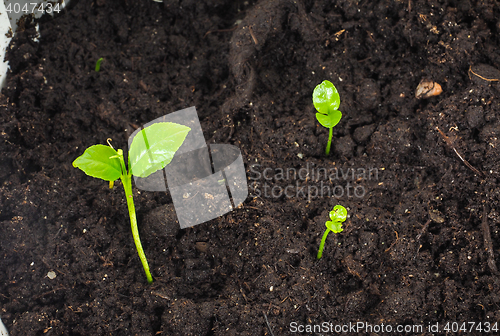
419 177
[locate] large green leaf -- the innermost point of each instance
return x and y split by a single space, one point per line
326 98
329 120
154 147
96 162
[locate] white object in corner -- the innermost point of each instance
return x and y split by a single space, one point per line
3 330
5 30
4 42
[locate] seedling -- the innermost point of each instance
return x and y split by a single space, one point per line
152 149
338 215
98 64
326 100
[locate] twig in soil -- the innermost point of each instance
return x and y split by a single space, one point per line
49 292
449 142
268 325
340 32
134 126
253 36
160 294
59 231
488 244
417 239
408 22
243 294
483 78
423 230
394 242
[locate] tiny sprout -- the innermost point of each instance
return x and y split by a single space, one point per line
98 64
338 215
152 149
326 100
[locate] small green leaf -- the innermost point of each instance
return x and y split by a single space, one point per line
326 98
329 120
338 214
154 147
96 162
336 227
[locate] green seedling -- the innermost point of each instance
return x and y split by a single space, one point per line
152 149
338 215
326 100
98 64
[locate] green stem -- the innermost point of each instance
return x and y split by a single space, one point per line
126 179
322 244
327 152
98 64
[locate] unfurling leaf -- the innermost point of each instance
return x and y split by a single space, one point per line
338 214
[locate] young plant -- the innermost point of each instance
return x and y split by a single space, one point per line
98 64
326 100
152 149
338 215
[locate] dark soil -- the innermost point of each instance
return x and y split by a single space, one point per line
422 240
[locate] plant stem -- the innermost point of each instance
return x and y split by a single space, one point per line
127 185
327 152
322 245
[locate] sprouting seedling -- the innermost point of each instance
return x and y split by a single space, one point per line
152 149
326 100
338 215
98 64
